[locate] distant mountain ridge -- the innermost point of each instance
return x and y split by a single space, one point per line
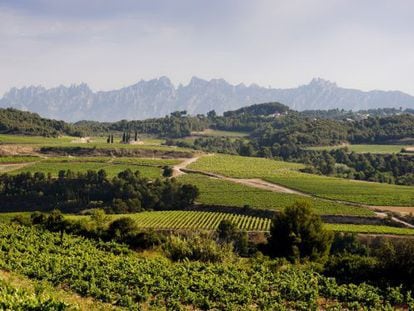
159 97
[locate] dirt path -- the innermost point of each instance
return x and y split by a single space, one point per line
384 215
4 168
261 184
179 169
405 210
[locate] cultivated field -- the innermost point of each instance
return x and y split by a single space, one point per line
218 133
242 167
194 220
150 168
287 174
365 148
226 193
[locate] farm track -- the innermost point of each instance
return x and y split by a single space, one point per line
4 168
261 184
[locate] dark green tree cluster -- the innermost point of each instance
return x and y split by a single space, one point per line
387 168
13 121
176 125
125 193
297 234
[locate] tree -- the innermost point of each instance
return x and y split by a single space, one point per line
227 230
167 171
297 233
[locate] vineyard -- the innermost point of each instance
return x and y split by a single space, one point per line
150 168
287 174
226 193
15 299
194 220
370 193
123 279
242 167
365 148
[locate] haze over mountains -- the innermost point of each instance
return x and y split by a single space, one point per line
158 97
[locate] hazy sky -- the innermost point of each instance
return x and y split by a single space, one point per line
366 44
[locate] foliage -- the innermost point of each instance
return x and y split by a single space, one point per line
125 279
128 192
227 193
13 121
297 233
196 247
16 299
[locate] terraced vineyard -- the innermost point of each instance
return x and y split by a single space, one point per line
287 174
225 193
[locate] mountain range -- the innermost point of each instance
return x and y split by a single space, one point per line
159 97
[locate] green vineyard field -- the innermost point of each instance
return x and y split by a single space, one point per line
226 193
194 220
122 278
286 174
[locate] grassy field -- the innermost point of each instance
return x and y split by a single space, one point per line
34 140
287 174
150 168
94 142
365 148
370 229
18 159
218 133
225 193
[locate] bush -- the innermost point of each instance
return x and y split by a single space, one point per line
347 243
297 233
121 228
196 248
350 268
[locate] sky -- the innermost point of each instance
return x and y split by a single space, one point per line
363 44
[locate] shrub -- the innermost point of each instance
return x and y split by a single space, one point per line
121 228
196 248
298 233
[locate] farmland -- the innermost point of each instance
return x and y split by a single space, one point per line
150 168
287 174
92 142
218 133
365 148
369 193
221 192
198 220
242 167
127 280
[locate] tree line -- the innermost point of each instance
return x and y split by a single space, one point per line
72 192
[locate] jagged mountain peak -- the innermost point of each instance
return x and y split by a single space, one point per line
158 97
319 82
